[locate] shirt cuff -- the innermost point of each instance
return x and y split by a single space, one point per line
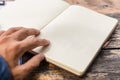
5 73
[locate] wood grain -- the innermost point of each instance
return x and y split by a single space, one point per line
107 64
103 6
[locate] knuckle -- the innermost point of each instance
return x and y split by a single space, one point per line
2 31
14 47
4 39
25 31
12 29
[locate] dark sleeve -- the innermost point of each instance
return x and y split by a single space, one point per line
4 70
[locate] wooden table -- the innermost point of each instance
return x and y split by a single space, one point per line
107 64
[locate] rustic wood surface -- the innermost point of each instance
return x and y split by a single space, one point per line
107 64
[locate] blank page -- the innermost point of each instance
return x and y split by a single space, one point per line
76 37
31 13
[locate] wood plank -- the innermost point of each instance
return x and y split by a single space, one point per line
102 6
105 67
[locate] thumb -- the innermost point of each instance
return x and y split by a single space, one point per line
32 63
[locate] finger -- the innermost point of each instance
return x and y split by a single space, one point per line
12 30
24 70
33 42
25 32
1 32
32 63
29 44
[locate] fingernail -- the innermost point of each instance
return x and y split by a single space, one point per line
41 56
37 32
46 42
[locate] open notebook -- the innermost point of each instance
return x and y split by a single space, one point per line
76 33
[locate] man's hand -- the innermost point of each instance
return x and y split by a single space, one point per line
13 44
